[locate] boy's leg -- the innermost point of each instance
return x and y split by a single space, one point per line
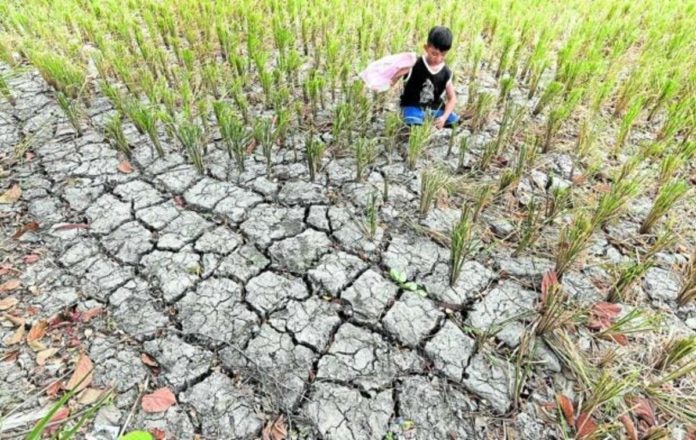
413 115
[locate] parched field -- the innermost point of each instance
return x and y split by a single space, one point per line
211 229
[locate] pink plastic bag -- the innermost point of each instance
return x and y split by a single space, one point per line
378 74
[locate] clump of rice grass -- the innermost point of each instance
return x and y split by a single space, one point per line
365 153
552 307
233 132
263 135
314 151
372 216
59 72
417 142
145 120
461 244
506 85
687 293
191 137
572 241
463 150
70 108
674 351
5 90
530 227
483 196
433 181
559 114
627 122
114 131
613 202
481 111
550 93
667 197
392 127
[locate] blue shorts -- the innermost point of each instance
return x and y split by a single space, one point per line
416 115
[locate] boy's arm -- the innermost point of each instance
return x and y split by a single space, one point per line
449 106
399 73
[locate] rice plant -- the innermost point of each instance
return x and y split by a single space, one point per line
550 93
372 216
70 108
674 351
433 181
114 131
5 90
264 137
627 123
314 151
234 134
666 198
687 293
461 244
481 111
191 137
483 196
365 153
552 307
145 120
572 242
506 85
612 203
463 150
530 227
417 142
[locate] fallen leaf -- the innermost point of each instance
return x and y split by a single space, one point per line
16 320
91 313
125 167
275 430
619 338
159 434
158 401
629 427
602 315
8 303
36 346
59 417
30 259
82 376
69 226
549 279
147 360
251 146
567 408
10 285
11 195
43 355
38 330
179 201
31 226
52 390
15 337
585 425
89 396
10 356
642 409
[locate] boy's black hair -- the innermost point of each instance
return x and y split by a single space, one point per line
440 37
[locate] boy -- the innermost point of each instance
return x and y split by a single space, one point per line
427 81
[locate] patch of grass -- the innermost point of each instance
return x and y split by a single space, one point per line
665 200
433 181
114 131
417 142
687 293
461 244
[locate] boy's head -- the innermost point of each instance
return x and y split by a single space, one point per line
439 42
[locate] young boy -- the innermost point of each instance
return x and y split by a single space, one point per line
427 81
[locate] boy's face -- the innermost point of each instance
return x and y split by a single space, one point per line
433 55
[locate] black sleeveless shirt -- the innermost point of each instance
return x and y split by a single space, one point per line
424 89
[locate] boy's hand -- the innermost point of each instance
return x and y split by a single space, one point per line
440 122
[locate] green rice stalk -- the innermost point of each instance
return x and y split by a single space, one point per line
666 198
365 153
114 131
461 244
433 180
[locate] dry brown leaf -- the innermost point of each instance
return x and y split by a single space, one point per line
602 315
30 259
158 401
16 320
8 303
43 355
275 430
125 167
31 226
147 360
629 426
89 396
16 337
11 195
585 425
38 331
52 390
158 434
567 408
82 376
91 313
10 356
643 410
10 285
59 417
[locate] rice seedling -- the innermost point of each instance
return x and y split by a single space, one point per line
70 108
461 244
365 153
550 93
371 216
668 88
417 143
392 127
234 134
433 181
613 202
483 196
559 114
506 85
666 198
674 351
145 120
5 90
572 241
688 290
114 131
530 228
463 150
552 307
59 72
191 137
627 123
264 136
481 111
314 151
490 151
607 389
